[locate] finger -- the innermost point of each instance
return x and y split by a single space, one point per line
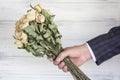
65 69
60 57
61 65
55 63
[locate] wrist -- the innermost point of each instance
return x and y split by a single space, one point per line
86 52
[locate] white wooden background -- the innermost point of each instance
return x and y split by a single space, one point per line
78 21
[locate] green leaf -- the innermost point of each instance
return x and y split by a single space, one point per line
42 43
28 48
31 43
49 18
30 30
58 40
53 28
53 40
34 46
40 54
58 35
41 27
39 38
37 29
52 17
45 13
47 34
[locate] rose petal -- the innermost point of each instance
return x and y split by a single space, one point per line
19 44
31 15
40 18
24 38
38 8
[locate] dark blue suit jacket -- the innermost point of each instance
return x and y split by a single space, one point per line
106 46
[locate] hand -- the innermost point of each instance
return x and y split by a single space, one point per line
78 54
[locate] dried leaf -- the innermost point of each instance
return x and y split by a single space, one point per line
30 30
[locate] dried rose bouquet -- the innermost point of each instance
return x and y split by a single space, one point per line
37 33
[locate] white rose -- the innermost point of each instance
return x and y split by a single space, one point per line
19 44
24 25
38 8
40 18
24 38
31 15
17 35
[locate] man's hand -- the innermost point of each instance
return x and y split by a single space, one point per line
78 54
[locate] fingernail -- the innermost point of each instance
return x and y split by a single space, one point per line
58 59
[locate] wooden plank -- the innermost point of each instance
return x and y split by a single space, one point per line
71 1
77 20
67 28
36 68
58 1
74 11
73 34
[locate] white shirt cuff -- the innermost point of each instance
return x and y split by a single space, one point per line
91 52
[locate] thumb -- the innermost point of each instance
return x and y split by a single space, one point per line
60 57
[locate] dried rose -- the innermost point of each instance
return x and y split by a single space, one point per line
31 15
39 18
38 8
24 38
36 32
19 44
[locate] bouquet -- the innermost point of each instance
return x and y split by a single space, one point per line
37 33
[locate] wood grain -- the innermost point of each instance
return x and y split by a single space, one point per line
78 22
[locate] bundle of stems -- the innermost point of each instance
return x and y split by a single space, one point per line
37 33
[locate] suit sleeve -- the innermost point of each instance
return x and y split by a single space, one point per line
106 45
